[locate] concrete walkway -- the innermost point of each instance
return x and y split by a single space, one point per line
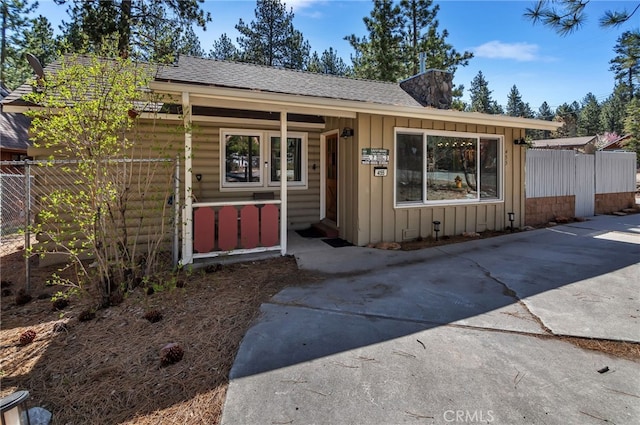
454 334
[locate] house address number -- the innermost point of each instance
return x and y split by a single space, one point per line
375 156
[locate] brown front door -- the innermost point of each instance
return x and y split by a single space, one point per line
331 195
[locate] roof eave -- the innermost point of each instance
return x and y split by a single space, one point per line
339 107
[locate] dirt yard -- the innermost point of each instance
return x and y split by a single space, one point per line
108 370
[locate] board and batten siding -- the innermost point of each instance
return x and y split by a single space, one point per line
379 220
304 204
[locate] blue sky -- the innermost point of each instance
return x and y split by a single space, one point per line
508 48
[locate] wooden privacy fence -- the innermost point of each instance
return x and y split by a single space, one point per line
561 183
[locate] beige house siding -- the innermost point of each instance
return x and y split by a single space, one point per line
377 217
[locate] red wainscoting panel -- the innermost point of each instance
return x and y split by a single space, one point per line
204 238
249 236
269 225
228 228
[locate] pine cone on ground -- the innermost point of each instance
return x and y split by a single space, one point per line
171 353
153 316
87 315
27 337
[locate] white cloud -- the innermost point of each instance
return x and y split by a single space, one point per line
304 7
523 52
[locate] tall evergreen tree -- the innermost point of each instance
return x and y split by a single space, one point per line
568 116
271 38
613 110
378 56
141 28
632 127
589 116
481 100
421 35
224 49
544 113
15 20
626 64
296 50
328 63
515 106
40 41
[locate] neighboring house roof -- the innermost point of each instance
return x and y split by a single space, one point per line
567 142
14 128
14 131
616 144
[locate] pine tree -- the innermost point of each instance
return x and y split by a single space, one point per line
15 20
589 116
378 56
224 49
144 29
544 113
328 63
39 40
515 106
626 65
421 35
568 116
272 39
296 50
632 127
481 100
566 16
613 110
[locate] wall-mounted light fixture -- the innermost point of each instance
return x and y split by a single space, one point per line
511 218
436 228
519 141
346 132
199 177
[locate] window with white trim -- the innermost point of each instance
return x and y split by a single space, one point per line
438 167
252 159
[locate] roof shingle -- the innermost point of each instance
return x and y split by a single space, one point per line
218 73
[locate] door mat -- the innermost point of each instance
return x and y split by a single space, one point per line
311 232
337 242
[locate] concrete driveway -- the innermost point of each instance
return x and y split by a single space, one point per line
456 334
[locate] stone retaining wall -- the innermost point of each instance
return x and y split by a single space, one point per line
543 210
606 203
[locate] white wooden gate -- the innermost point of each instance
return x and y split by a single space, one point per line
585 188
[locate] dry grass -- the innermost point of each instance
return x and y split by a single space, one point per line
107 370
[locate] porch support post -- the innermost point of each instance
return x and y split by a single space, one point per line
187 211
283 182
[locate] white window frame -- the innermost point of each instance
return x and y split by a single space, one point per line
425 133
265 183
303 159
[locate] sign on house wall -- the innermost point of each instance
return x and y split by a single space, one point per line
375 156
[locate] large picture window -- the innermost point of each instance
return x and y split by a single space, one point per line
446 167
252 159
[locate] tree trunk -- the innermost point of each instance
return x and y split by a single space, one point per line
125 28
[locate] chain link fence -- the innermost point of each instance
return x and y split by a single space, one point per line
29 188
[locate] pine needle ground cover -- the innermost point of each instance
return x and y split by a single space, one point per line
160 356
